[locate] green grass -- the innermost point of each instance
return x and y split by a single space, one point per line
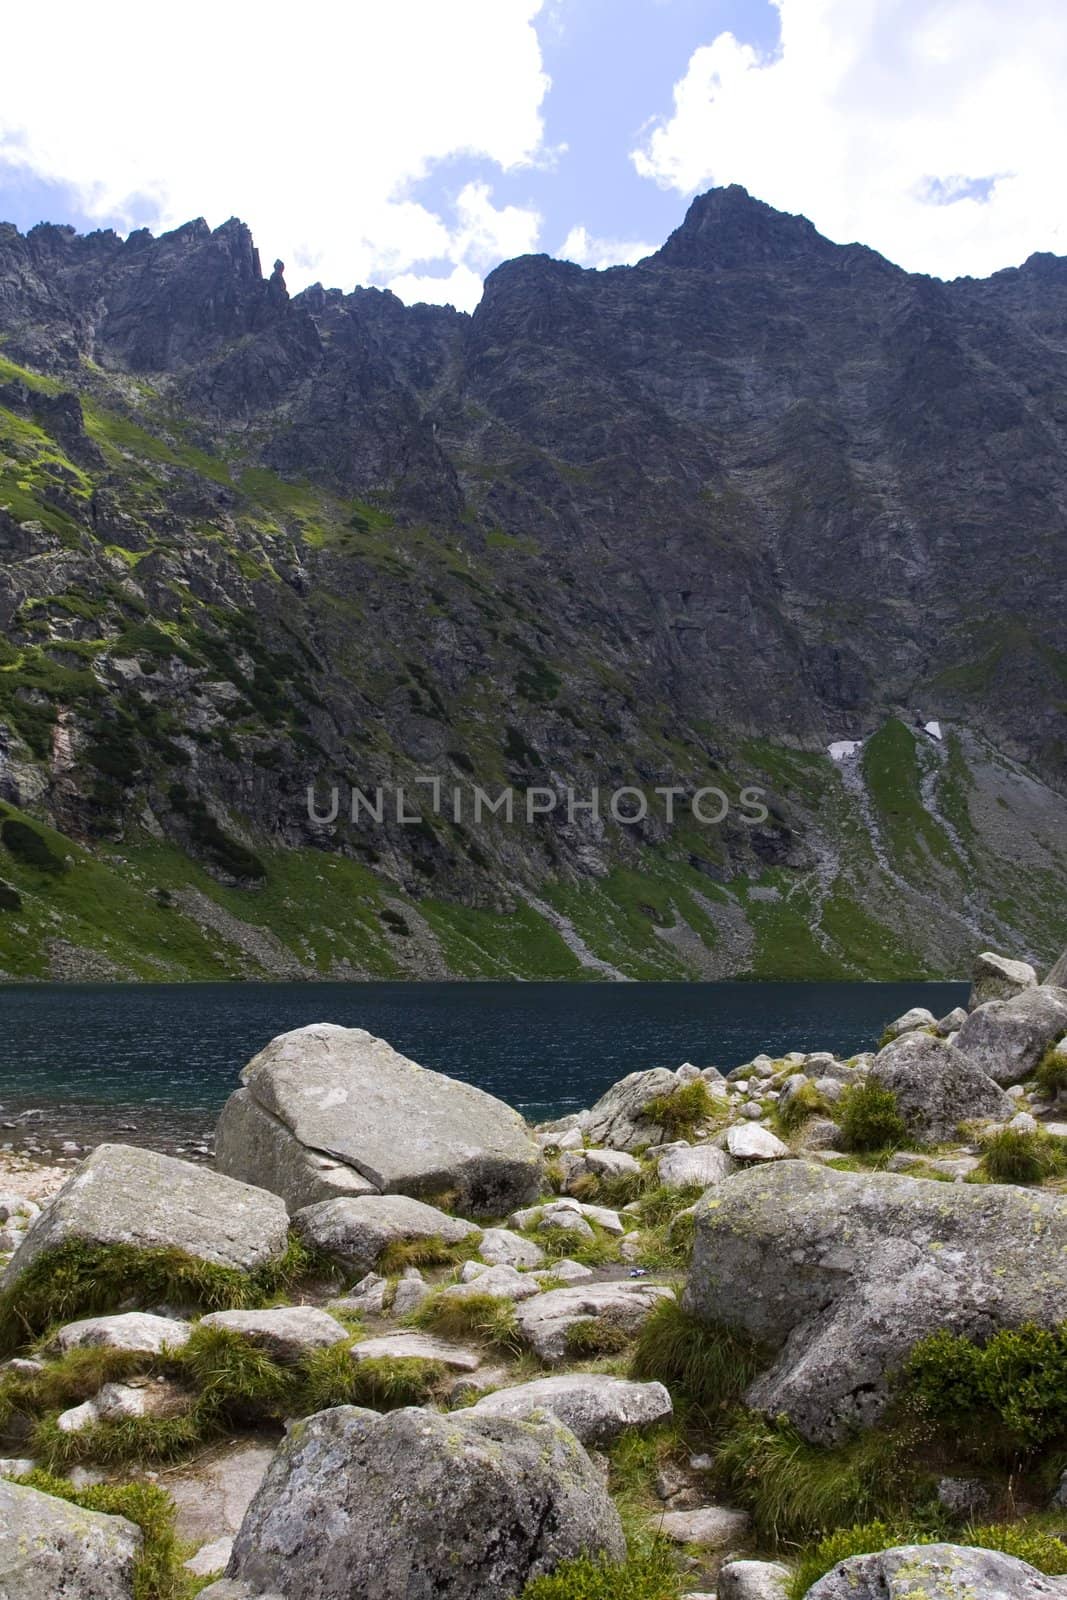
683 1111
1024 1540
707 1367
489 944
428 1252
649 1573
804 1103
892 772
1051 1072
1013 1155
589 1338
796 1491
488 1318
78 1279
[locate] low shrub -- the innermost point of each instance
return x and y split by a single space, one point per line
1052 1069
869 1118
681 1112
1001 1399
706 1367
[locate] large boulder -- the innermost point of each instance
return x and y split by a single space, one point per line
1007 1038
619 1120
937 1087
416 1504
342 1094
356 1231
139 1332
286 1333
997 978
50 1549
935 1572
839 1274
593 1405
687 1165
122 1195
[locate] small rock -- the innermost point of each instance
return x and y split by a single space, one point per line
595 1407
210 1558
753 1580
712 1527
500 1247
755 1144
964 1497
399 1345
287 1333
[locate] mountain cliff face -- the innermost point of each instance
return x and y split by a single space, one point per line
682 524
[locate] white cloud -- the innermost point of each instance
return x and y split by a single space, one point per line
589 251
932 130
311 126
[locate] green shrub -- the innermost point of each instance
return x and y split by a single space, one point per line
1012 1155
30 847
804 1102
681 1112
159 1574
1052 1069
870 1119
1005 1396
706 1367
648 1573
1025 1542
796 1490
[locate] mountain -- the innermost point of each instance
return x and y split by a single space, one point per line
684 524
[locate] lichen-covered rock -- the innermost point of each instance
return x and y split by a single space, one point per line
997 978
413 1503
123 1195
406 1343
254 1145
840 1274
348 1096
287 1333
937 1087
618 1118
136 1331
50 1549
355 1231
544 1322
685 1165
1006 1039
593 1405
935 1572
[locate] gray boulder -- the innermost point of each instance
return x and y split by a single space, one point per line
618 1120
702 1164
355 1231
287 1333
1007 1038
595 1407
414 1504
935 1572
917 1018
1057 975
840 1274
937 1087
121 1195
50 1549
753 1580
501 1247
136 1331
752 1143
257 1147
405 1344
345 1095
545 1321
996 978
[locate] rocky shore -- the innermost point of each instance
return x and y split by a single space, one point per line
795 1330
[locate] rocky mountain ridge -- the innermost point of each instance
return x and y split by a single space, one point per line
682 524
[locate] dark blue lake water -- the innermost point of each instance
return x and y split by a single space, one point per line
170 1054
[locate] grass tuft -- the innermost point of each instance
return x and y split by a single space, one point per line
431 1252
489 1318
706 1367
1012 1155
681 1112
648 1573
870 1119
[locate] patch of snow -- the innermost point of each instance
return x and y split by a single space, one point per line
843 748
933 729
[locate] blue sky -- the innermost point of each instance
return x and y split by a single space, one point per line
416 145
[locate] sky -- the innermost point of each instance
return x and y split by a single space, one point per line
415 144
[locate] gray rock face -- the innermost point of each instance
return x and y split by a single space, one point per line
691 1164
545 1320
131 1330
1056 976
123 1195
1007 1038
50 1549
414 1504
356 1231
285 1332
934 1572
405 1130
996 978
595 1407
617 1118
937 1086
257 1147
840 1274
